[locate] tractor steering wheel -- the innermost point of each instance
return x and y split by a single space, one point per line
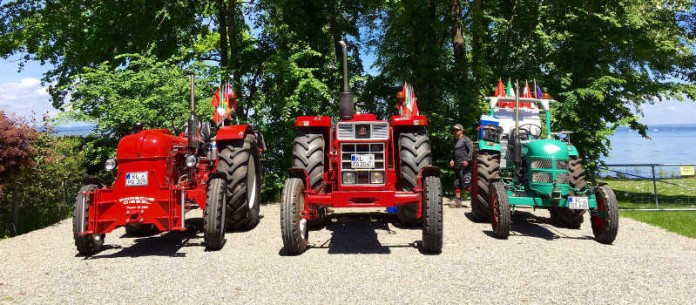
529 130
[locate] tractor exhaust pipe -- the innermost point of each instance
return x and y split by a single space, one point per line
193 121
345 97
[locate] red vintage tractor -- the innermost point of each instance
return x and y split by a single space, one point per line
361 162
161 176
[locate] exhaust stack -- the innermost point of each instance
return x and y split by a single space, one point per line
345 97
192 133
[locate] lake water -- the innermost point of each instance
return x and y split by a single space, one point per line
668 144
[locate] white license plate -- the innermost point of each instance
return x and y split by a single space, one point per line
136 179
362 161
578 203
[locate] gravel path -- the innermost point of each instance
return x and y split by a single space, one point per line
358 259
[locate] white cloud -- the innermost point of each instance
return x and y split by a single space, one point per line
25 96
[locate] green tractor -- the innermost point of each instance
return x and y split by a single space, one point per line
515 166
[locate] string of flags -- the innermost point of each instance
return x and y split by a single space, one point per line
508 91
224 103
409 105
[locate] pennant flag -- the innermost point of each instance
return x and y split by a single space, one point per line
409 107
224 103
537 90
526 93
509 92
500 89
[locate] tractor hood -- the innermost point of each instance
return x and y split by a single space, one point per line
546 149
155 143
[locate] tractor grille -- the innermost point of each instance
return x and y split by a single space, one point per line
363 130
561 164
562 178
541 163
541 177
348 149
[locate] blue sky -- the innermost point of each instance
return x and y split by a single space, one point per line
22 92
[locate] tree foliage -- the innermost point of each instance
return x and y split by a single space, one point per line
122 61
16 152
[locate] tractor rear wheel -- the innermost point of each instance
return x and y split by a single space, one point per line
500 211
240 163
90 243
605 219
432 215
487 171
308 153
293 226
414 154
214 214
565 217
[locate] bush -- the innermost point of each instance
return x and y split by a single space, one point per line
42 194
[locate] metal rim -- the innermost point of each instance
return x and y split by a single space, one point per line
251 182
599 222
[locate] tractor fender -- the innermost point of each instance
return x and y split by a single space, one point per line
313 121
232 133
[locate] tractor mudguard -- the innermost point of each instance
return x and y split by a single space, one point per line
313 121
573 151
484 145
399 121
236 132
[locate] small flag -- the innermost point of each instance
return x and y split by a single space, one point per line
500 89
537 90
509 91
223 104
410 105
526 93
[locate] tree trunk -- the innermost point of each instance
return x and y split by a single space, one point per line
457 36
222 30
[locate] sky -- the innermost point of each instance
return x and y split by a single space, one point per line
22 92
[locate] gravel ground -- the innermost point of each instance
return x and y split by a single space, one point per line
361 258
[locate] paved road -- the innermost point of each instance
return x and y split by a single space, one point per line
358 259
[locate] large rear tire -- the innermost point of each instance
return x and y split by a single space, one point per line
414 154
308 153
565 217
605 219
487 172
432 215
293 226
500 211
214 214
90 243
240 163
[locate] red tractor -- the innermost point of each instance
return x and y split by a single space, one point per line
160 177
360 162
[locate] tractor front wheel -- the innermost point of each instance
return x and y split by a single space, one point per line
605 219
87 244
293 225
432 215
214 214
500 211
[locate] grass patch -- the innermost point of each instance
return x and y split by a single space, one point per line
682 223
638 194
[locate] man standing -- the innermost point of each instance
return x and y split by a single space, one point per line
463 151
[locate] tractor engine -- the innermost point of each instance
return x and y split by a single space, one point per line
362 148
547 168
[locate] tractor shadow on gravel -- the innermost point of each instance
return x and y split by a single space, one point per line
528 224
163 244
356 233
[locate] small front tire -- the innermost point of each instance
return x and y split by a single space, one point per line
500 211
86 244
214 214
432 215
293 226
605 219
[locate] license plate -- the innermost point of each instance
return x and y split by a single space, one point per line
362 161
578 203
136 179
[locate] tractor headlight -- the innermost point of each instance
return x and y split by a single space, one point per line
191 161
110 164
377 177
349 178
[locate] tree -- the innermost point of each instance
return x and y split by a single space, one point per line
16 152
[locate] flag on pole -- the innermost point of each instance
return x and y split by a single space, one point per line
223 103
409 107
537 90
510 92
526 93
500 89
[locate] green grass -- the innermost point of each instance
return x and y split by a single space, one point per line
682 223
638 194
